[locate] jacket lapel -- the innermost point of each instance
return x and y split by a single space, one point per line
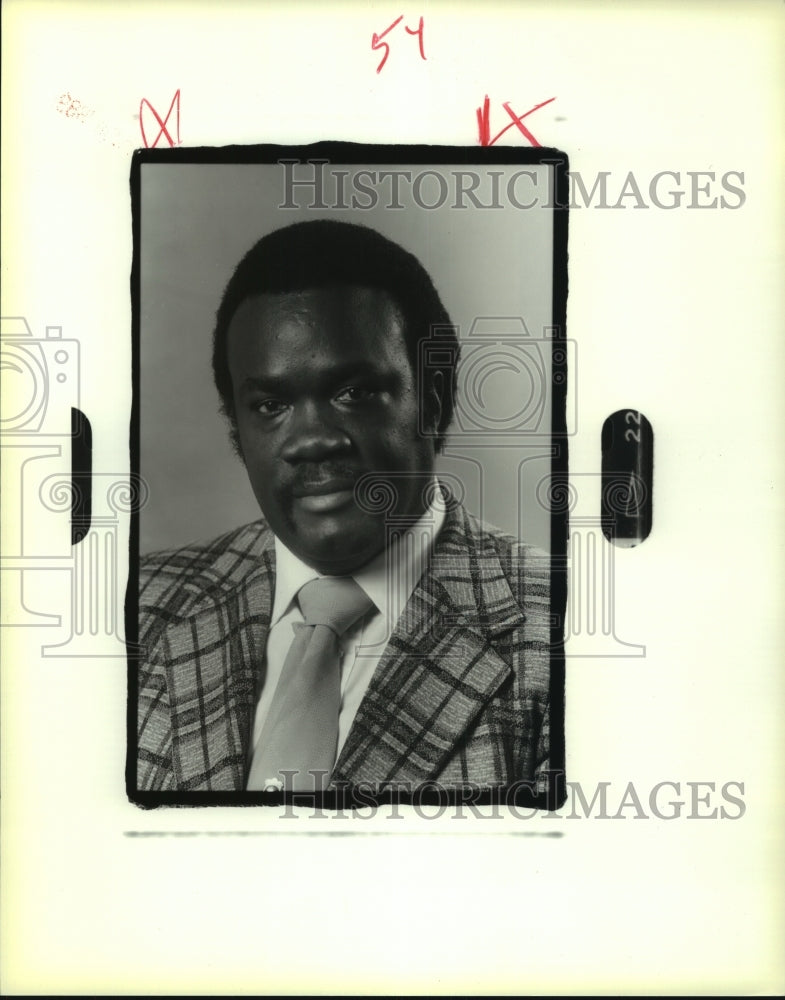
439 668
215 659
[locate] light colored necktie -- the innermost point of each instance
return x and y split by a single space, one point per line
301 730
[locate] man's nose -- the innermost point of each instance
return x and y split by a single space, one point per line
314 433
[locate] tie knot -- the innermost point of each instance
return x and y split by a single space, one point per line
335 601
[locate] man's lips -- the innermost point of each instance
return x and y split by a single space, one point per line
328 494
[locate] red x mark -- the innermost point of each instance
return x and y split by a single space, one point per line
484 122
163 130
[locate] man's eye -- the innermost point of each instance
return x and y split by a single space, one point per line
355 394
270 407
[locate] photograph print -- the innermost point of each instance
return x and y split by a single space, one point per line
350 372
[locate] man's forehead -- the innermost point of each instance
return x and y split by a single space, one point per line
337 331
317 303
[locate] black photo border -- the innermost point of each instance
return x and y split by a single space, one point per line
519 794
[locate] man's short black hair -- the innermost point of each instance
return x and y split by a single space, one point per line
315 254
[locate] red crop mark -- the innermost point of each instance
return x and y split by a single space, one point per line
377 43
484 122
163 130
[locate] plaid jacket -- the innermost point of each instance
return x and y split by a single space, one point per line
460 693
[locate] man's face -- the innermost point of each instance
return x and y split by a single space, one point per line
324 393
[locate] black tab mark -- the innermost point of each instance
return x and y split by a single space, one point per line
627 477
81 475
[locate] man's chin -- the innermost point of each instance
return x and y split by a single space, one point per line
335 545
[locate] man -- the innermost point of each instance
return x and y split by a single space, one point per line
368 630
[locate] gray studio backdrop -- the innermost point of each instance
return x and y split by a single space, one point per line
492 267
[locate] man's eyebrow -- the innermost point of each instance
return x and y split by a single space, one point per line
340 373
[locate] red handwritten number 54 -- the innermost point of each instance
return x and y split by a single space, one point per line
377 43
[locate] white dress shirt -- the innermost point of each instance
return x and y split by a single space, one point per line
388 580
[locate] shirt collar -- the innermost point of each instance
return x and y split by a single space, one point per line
389 579
291 574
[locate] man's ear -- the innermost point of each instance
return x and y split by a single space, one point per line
434 401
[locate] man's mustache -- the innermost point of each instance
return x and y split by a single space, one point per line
309 476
